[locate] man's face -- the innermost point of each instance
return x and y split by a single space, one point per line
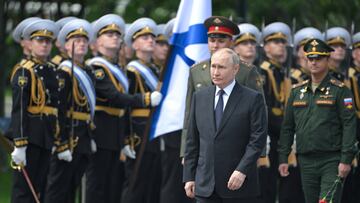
81 45
41 47
145 43
109 40
215 43
246 49
356 55
276 48
318 65
161 50
222 70
339 53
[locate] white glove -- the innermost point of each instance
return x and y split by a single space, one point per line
155 98
268 145
129 152
65 155
93 146
19 156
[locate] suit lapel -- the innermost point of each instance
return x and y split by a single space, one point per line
210 108
230 106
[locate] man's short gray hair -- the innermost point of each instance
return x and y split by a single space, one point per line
232 54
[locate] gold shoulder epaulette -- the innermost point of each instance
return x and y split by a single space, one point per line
28 64
131 69
351 72
56 59
300 84
295 73
265 65
337 82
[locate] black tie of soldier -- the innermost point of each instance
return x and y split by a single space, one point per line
219 108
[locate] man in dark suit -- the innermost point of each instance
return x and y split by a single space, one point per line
227 132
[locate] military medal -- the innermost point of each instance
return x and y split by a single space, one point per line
327 90
302 93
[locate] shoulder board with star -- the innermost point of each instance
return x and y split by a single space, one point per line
28 64
337 82
296 73
246 64
201 64
300 84
351 72
56 59
265 65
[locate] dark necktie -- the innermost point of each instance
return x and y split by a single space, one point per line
219 109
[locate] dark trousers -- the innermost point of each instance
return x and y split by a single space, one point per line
290 187
104 177
64 178
351 191
214 198
172 187
318 174
37 164
146 188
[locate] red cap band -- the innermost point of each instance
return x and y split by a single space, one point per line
219 29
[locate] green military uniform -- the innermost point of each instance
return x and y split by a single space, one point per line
200 77
324 122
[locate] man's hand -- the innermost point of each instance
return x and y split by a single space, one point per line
65 155
236 180
190 189
284 170
155 98
18 156
344 170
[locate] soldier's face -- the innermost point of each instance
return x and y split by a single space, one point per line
144 43
246 49
81 45
339 53
301 58
318 65
109 40
356 56
276 48
161 50
222 69
26 45
215 44
41 47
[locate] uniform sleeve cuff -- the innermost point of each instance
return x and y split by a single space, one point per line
21 142
283 159
147 99
346 158
62 147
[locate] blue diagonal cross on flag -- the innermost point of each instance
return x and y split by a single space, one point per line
189 45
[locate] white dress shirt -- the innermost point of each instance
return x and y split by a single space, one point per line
227 91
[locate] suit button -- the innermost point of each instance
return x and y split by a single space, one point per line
41 78
41 67
204 66
198 85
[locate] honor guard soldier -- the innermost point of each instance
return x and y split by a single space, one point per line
161 48
320 112
61 56
24 43
112 88
301 72
38 116
339 39
276 37
220 33
64 177
143 76
352 183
